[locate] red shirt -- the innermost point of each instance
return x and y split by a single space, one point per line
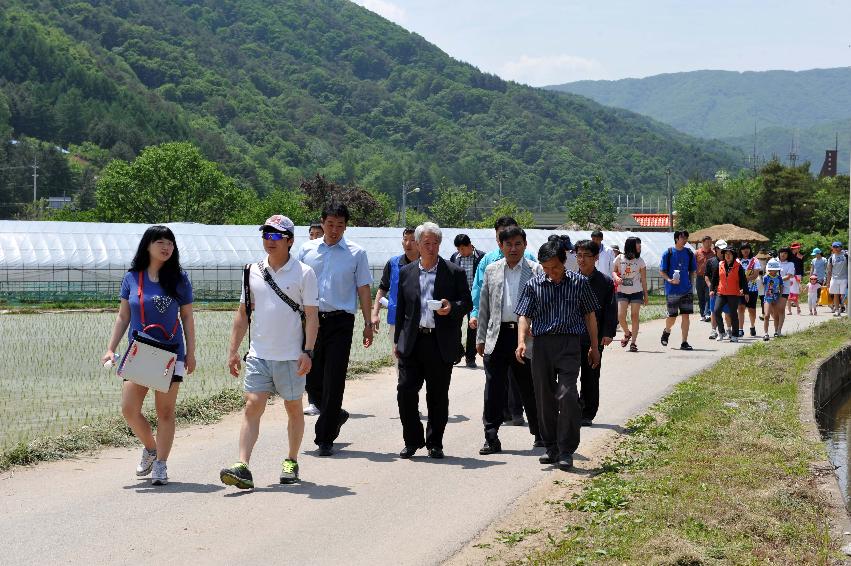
702 256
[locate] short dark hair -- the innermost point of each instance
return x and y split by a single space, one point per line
564 239
551 249
595 234
587 245
336 209
630 248
707 237
316 226
787 250
408 230
462 240
510 233
504 222
680 233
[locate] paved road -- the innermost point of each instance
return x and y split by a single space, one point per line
362 506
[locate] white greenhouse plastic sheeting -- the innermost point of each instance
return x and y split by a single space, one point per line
33 250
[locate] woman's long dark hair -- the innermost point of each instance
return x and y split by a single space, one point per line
170 272
630 248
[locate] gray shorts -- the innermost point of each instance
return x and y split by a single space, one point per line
272 376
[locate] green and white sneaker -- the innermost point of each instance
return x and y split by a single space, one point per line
289 471
146 463
237 475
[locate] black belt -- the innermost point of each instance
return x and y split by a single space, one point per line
424 330
508 325
329 314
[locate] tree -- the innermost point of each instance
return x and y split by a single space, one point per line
290 203
171 182
508 207
451 206
788 198
592 206
365 207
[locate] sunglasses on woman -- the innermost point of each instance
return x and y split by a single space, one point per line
274 236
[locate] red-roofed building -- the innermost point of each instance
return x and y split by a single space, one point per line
652 222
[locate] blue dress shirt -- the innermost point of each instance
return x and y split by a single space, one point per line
340 269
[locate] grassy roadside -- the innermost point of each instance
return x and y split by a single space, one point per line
718 472
112 431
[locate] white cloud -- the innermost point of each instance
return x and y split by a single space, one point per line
551 69
385 9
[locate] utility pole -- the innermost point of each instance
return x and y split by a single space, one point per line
847 246
670 199
35 176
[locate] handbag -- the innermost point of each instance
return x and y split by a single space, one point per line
150 362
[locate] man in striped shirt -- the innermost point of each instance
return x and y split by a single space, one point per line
557 307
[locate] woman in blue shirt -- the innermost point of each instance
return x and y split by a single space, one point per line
155 291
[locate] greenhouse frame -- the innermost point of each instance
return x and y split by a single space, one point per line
54 261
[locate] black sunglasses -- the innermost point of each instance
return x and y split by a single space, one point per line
274 236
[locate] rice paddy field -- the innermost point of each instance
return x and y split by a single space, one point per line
51 378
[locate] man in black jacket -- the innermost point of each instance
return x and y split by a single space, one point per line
432 300
587 254
467 257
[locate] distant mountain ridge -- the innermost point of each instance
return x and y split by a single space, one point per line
277 91
725 105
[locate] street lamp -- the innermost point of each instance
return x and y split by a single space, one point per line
405 193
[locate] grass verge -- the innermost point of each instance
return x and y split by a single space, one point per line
113 431
718 472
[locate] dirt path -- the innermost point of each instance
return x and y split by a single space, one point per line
362 506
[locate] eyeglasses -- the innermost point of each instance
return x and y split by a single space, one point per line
274 236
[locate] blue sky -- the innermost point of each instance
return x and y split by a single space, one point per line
552 42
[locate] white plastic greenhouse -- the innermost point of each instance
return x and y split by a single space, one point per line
80 259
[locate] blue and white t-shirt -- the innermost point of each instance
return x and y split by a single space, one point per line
160 308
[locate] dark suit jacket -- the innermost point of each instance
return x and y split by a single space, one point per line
450 283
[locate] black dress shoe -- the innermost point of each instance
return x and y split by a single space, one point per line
565 462
491 447
436 453
326 449
538 443
548 458
408 451
344 416
472 365
586 422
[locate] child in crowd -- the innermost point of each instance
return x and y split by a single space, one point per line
773 285
794 294
813 288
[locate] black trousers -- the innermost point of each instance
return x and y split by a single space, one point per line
497 375
733 301
589 381
467 350
326 380
555 369
424 366
702 295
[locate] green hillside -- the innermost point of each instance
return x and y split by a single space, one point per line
815 104
279 90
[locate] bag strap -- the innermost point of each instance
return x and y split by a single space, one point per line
145 326
268 278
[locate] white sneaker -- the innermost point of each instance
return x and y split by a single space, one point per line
147 462
720 336
311 410
713 335
160 475
734 338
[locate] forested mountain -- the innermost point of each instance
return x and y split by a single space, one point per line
279 90
811 105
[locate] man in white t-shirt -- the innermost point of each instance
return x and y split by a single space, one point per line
837 276
282 290
607 256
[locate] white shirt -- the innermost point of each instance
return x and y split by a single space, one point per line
427 277
787 268
605 260
511 291
570 263
275 328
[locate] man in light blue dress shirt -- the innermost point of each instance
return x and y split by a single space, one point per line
343 278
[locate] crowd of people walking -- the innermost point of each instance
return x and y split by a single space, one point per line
539 320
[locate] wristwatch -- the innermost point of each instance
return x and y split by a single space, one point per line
309 353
